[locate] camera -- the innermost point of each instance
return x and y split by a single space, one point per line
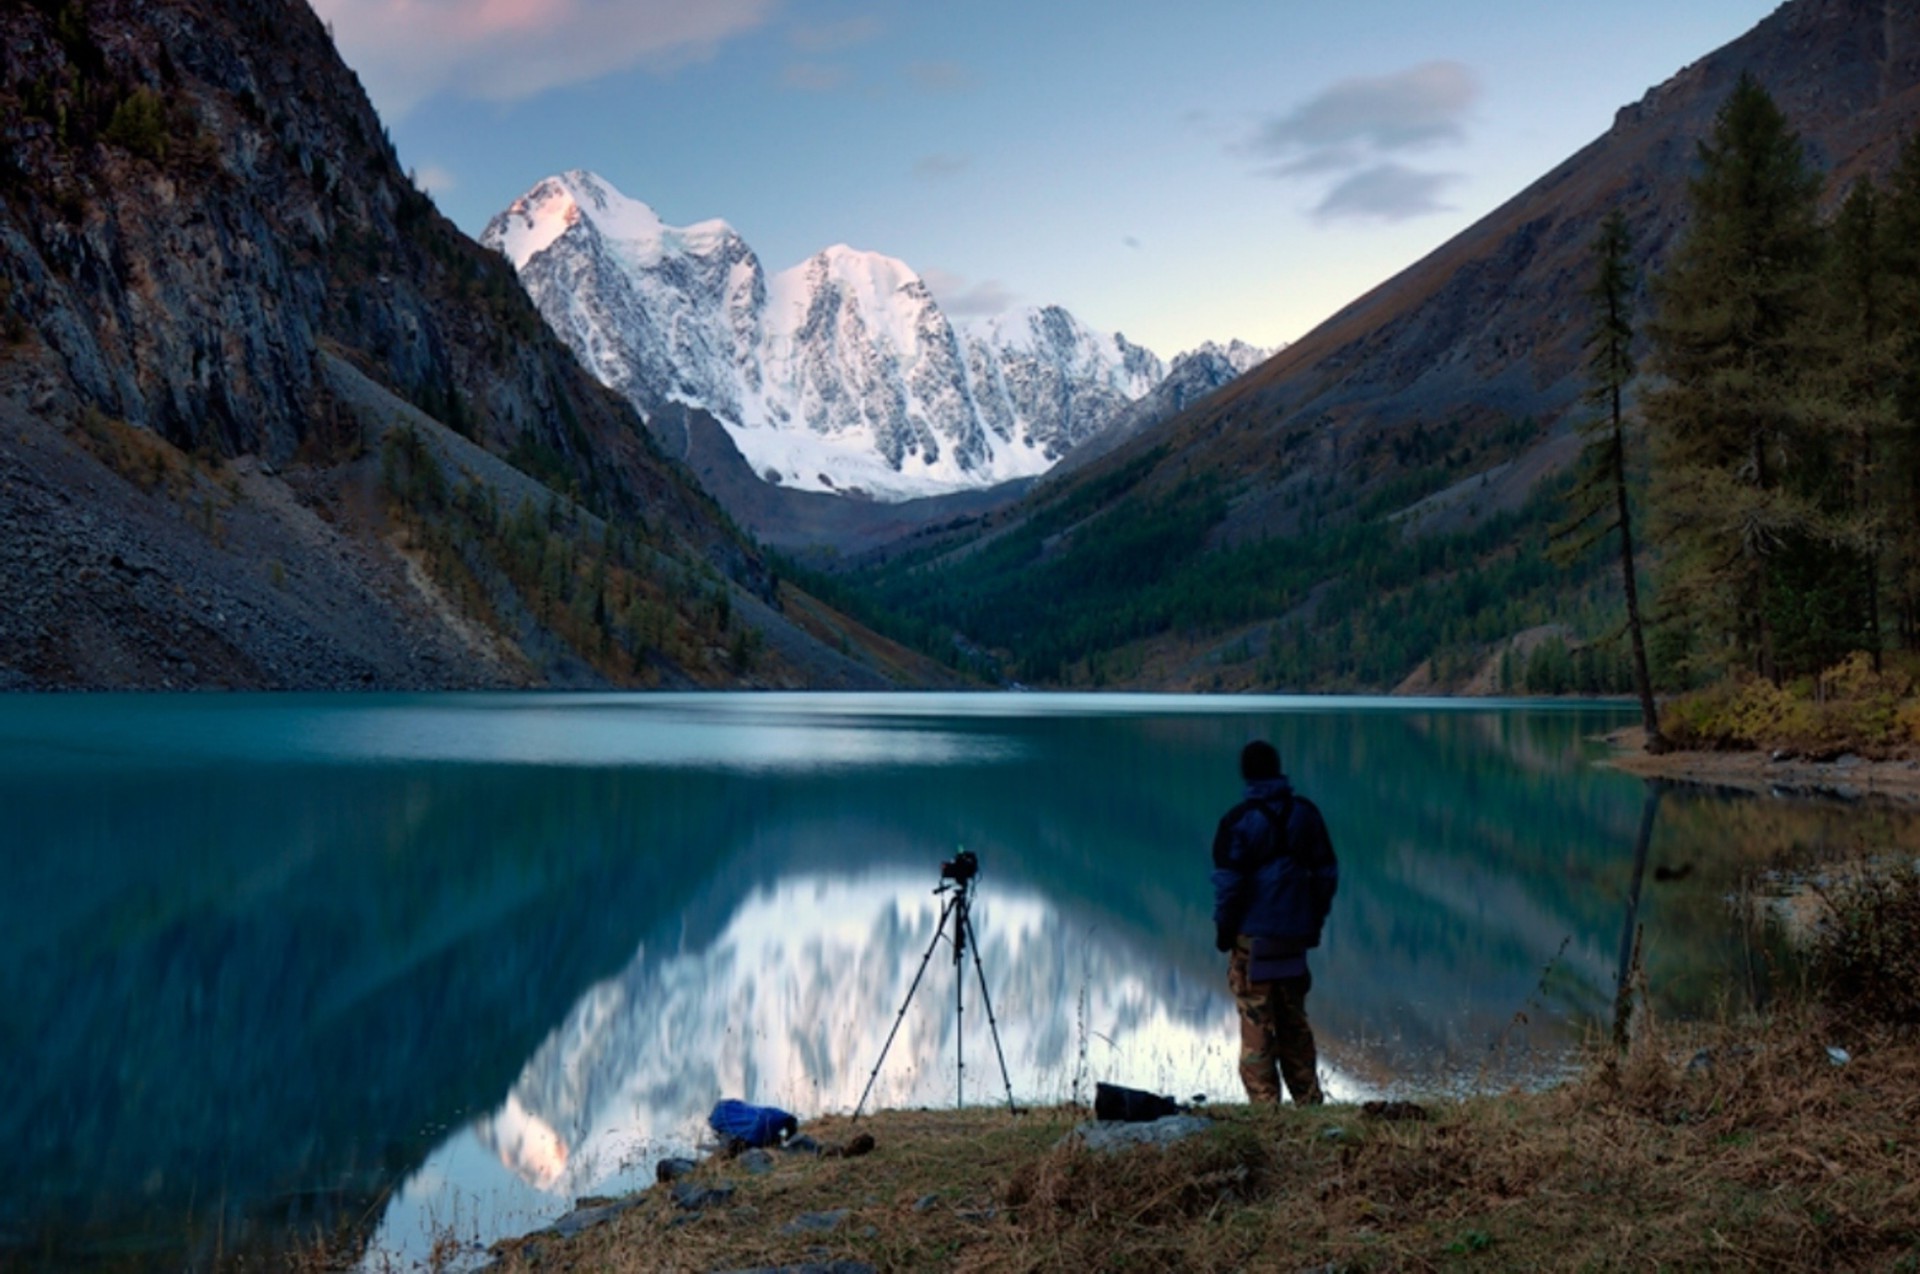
961 868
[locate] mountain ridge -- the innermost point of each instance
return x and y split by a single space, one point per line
1289 520
838 375
202 220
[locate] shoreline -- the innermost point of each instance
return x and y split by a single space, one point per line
1847 778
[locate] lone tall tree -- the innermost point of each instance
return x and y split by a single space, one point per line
1599 499
1734 444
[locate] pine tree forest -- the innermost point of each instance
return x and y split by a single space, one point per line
1783 417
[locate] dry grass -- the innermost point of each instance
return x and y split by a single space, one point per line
1771 1157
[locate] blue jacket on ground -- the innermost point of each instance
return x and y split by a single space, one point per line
1274 887
754 1125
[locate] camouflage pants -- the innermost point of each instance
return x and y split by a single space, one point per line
1275 1038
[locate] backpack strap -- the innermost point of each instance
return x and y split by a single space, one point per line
1279 842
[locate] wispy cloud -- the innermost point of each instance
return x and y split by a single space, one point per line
934 167
1385 192
407 51
962 298
1360 127
940 77
813 77
435 180
1413 108
829 37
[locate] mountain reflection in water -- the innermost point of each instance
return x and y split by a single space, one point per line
792 1003
269 963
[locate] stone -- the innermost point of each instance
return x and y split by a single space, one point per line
757 1162
926 1202
1105 1138
1394 1110
585 1218
862 1143
815 1222
695 1197
1706 1059
672 1169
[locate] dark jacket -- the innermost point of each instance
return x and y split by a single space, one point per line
1268 887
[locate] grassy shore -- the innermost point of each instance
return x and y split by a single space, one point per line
1766 1153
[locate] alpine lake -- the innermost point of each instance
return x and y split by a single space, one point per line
431 966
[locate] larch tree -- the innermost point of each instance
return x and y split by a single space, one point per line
1738 449
1862 365
1901 220
1599 503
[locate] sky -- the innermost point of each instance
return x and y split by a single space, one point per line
1212 170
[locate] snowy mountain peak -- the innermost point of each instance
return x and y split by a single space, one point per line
840 374
1238 356
533 222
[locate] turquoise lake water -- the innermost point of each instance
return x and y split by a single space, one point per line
431 963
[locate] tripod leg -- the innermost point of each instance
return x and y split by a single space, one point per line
899 1017
993 1027
959 995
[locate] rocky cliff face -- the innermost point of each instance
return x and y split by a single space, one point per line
201 222
841 374
203 196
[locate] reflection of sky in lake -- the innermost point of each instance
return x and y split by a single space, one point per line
754 733
335 927
790 1005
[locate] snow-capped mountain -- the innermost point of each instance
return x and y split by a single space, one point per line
840 374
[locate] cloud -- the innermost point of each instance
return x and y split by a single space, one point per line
934 167
435 180
407 51
1415 108
1356 129
960 298
826 37
1132 241
813 77
1385 192
940 77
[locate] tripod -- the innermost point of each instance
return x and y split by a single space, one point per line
957 878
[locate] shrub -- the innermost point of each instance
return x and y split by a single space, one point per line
1865 960
139 124
1849 706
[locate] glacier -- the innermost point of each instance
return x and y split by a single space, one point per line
841 374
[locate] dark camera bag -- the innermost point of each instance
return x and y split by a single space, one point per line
1114 1103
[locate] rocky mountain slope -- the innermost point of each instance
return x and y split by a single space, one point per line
204 234
1430 409
840 375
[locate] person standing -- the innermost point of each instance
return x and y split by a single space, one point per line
1274 877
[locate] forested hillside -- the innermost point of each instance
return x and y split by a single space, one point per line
1374 507
272 421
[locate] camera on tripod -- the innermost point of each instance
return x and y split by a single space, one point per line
956 908
961 868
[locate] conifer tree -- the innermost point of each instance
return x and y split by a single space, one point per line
1599 499
1737 455
1901 218
1860 360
